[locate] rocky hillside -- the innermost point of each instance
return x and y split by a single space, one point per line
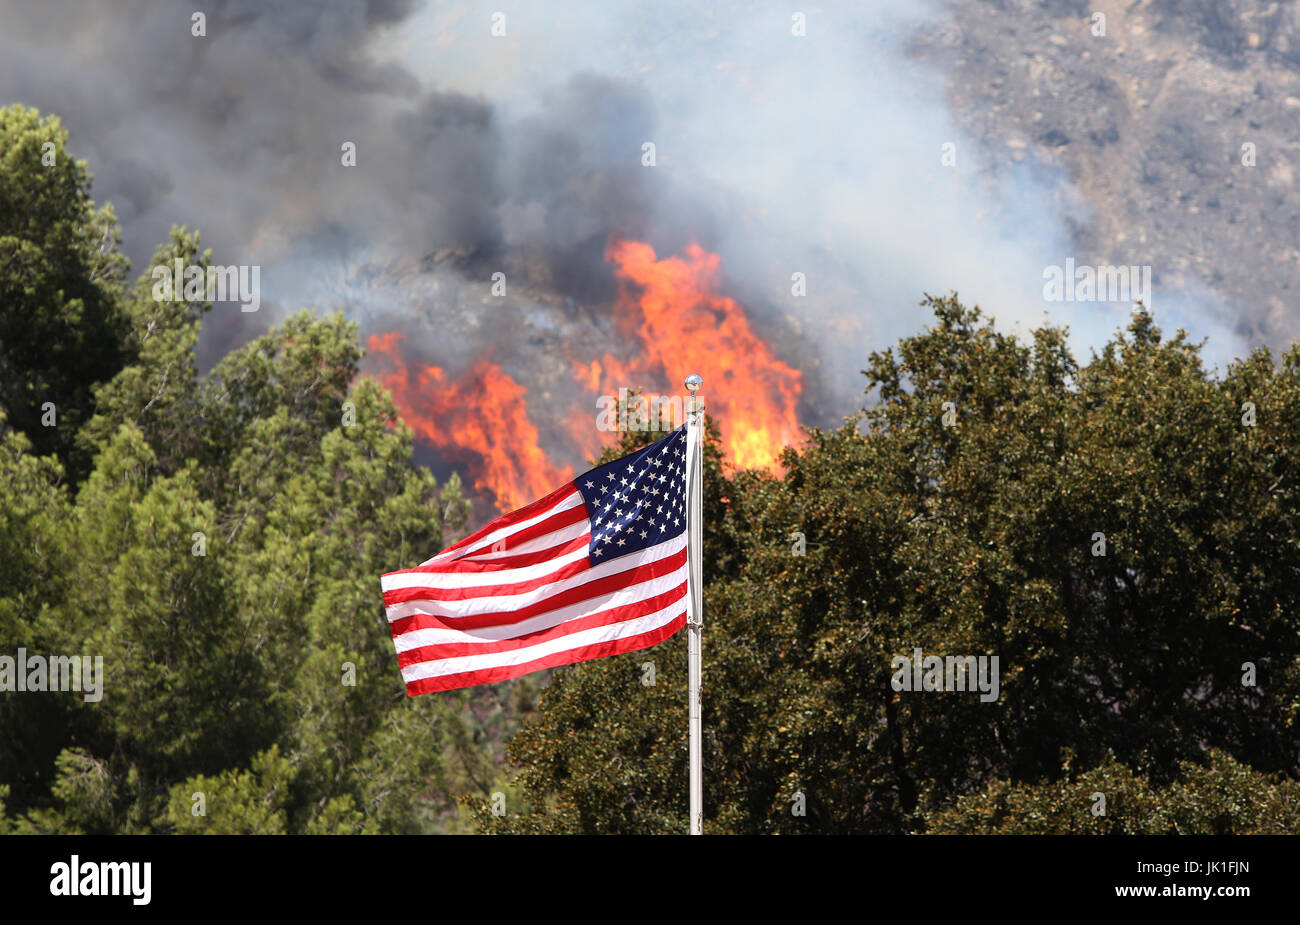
1149 121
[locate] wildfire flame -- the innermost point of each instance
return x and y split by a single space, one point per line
685 326
481 413
671 309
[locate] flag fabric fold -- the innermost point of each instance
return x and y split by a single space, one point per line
598 567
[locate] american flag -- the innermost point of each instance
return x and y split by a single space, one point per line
597 567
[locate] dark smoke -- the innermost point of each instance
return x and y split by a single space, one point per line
239 133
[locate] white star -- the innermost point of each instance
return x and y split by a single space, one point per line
644 534
590 483
622 542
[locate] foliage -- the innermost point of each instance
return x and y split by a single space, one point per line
1122 672
63 328
220 552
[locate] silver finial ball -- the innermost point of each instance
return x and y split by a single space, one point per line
693 383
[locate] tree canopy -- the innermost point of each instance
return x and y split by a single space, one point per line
221 554
63 327
1121 534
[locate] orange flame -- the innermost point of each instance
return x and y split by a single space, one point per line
482 412
672 308
684 326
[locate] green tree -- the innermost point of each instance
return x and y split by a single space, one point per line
63 328
37 569
233 532
974 528
216 540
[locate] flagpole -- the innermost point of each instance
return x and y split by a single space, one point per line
694 596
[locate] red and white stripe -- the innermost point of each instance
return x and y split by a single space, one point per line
520 595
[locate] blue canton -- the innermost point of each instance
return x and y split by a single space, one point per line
638 500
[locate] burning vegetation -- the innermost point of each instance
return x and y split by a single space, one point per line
673 318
